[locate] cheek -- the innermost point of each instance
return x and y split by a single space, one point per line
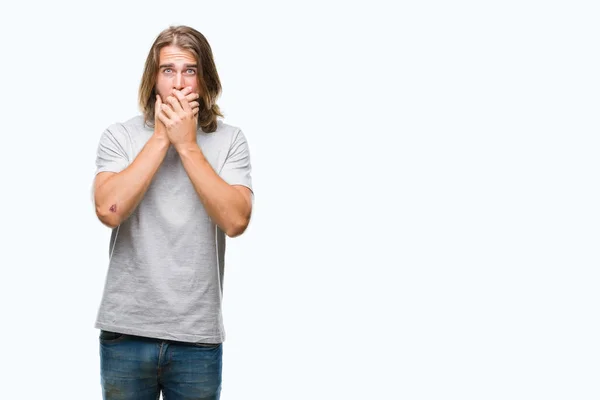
193 82
163 90
163 86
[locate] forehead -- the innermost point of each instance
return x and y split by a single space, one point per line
174 54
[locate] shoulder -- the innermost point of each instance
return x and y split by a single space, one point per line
122 127
224 129
135 125
227 134
129 130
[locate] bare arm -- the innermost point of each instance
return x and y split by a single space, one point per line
117 194
229 206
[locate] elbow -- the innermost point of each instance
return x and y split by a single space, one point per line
108 218
237 228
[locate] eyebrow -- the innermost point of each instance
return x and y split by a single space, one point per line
171 65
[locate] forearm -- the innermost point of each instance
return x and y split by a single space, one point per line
121 193
226 206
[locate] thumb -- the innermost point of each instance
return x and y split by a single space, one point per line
157 105
157 110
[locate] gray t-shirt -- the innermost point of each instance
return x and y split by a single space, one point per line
165 276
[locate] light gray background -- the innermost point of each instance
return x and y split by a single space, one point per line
426 176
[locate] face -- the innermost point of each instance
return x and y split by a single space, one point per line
177 69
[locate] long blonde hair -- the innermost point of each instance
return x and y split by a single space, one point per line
208 79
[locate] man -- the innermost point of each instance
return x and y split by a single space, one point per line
172 183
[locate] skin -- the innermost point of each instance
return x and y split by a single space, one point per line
229 206
178 70
117 194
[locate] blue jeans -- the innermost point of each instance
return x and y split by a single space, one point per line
135 367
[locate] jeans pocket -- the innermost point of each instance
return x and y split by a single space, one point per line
111 337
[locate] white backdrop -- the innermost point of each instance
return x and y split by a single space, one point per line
426 177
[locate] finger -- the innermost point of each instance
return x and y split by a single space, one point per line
162 117
183 101
185 91
168 111
157 103
192 96
157 108
194 104
195 111
175 104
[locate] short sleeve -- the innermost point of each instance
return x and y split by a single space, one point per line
112 154
237 169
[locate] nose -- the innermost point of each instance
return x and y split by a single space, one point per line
178 82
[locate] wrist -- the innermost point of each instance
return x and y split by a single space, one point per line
186 148
162 141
